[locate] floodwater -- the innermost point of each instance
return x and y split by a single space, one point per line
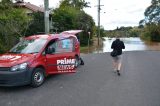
131 44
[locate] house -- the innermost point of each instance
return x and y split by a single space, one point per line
31 8
28 7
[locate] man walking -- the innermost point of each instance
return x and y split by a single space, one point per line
117 45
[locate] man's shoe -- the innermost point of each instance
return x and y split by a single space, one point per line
118 73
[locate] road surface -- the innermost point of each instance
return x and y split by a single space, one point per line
95 84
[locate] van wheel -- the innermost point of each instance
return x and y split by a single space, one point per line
76 61
38 77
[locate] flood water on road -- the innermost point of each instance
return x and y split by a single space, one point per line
131 44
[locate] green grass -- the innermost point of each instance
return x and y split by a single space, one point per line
82 48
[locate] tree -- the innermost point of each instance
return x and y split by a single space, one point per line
63 19
152 22
151 32
69 16
78 4
13 23
102 31
36 24
86 23
152 13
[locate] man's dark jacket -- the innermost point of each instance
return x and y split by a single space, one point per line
118 45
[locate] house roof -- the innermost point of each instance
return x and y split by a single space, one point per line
30 6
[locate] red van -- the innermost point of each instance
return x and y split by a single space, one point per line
35 57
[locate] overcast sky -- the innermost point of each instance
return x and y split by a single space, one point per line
114 13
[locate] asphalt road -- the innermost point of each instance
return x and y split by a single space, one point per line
95 84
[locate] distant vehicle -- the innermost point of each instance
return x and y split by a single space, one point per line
35 57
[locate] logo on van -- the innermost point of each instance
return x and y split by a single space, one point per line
6 57
65 65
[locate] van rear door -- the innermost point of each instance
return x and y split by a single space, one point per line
73 32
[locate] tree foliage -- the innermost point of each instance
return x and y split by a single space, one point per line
36 24
152 13
151 32
77 4
152 22
125 32
69 16
13 23
63 19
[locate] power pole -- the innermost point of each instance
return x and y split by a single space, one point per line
99 9
98 20
46 16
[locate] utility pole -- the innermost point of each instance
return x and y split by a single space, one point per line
46 16
99 9
98 20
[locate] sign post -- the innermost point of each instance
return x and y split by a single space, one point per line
88 40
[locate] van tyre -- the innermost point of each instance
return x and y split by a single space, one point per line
37 77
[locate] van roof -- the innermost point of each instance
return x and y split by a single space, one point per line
62 35
51 36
